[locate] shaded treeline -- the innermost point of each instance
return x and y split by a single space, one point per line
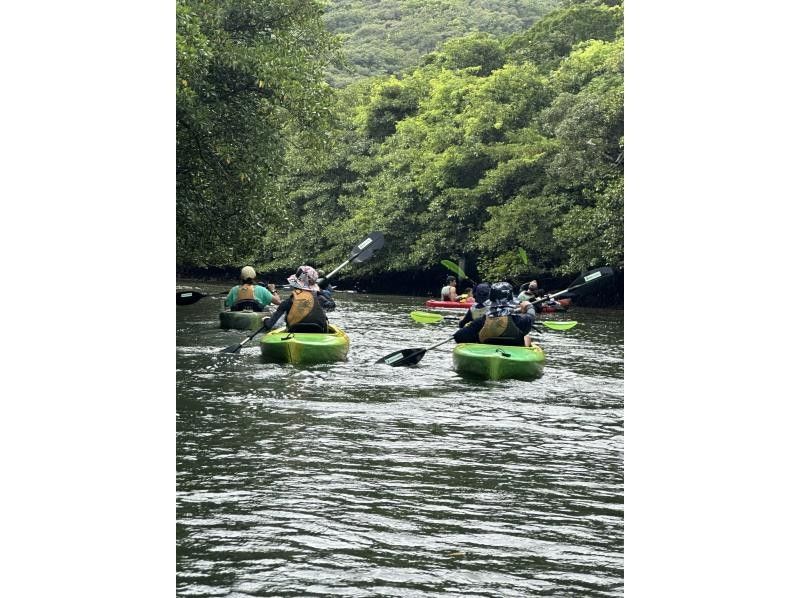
504 152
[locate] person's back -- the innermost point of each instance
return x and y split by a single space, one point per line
477 309
448 292
248 295
303 309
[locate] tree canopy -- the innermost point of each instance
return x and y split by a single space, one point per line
506 151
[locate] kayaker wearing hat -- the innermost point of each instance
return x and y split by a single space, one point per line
249 295
478 308
501 324
303 309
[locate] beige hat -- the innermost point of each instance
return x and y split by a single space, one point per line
248 272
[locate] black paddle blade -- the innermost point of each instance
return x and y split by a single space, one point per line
403 357
235 348
232 349
364 250
593 276
189 297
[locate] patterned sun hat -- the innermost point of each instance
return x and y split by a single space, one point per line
305 278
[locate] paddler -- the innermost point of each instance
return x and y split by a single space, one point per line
303 309
504 323
448 292
478 308
248 295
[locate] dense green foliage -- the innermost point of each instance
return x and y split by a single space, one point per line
248 79
382 37
506 151
478 152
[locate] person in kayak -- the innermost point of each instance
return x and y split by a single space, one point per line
478 308
448 292
504 323
249 295
303 308
326 294
529 291
466 296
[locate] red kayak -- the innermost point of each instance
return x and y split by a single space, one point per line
449 304
549 308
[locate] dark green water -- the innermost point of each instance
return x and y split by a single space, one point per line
352 479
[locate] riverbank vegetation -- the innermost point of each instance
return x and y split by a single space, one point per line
507 151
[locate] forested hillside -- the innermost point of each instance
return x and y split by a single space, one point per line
506 151
382 37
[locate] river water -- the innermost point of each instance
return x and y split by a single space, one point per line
352 479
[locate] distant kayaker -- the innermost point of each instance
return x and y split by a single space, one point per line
478 308
303 309
501 325
466 296
249 295
529 291
448 292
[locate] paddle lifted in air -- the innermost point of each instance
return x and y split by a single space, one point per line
360 253
407 357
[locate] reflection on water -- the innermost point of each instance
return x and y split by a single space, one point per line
362 480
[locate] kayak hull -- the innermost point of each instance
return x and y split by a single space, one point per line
241 320
495 362
305 347
430 303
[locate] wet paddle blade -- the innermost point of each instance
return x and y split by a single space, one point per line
426 317
189 297
232 349
235 348
554 325
403 357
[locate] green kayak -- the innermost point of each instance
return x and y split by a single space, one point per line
241 320
495 362
305 347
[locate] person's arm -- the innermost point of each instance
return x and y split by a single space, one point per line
466 319
263 296
453 296
469 333
269 321
276 299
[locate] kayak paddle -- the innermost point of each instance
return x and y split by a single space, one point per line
361 253
189 297
409 356
453 267
426 317
413 356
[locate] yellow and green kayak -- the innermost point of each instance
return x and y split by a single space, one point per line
305 347
241 320
495 362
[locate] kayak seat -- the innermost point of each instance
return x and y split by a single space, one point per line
247 304
308 327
